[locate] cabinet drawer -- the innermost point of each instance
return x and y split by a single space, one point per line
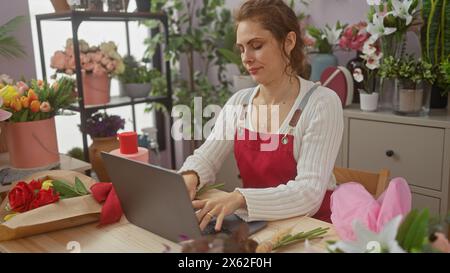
420 201
417 151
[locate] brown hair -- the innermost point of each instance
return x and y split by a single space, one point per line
278 18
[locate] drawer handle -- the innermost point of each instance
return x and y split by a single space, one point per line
389 153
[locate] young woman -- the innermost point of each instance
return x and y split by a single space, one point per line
294 176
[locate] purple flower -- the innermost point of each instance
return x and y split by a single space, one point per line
103 125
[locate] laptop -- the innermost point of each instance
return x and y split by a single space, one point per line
156 199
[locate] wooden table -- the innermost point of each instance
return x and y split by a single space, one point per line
126 237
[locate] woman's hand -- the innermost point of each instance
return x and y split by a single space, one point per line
191 181
219 206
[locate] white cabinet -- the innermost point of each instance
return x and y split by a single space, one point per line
416 148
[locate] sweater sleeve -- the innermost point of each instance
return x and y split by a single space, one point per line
322 121
207 160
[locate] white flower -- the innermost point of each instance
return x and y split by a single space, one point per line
372 60
358 75
370 242
6 79
332 34
373 2
376 28
401 9
369 48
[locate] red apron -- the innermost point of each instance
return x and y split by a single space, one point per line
263 168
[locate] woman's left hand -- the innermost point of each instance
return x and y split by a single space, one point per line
219 206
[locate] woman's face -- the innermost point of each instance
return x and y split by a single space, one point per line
260 52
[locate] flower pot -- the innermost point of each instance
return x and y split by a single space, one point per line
101 144
437 101
368 102
32 144
411 99
137 90
242 82
96 88
319 63
60 5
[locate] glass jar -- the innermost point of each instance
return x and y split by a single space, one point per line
411 98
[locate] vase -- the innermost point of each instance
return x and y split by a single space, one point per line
319 63
242 82
60 5
101 144
137 90
437 101
32 144
369 102
411 99
385 87
356 62
96 88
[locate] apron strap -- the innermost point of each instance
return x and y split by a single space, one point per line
296 116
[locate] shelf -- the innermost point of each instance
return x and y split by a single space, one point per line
99 16
120 101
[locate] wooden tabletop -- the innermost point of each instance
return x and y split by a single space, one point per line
126 237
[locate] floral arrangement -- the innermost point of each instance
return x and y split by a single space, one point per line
36 100
354 37
408 69
324 39
367 73
103 59
413 233
390 20
104 125
37 193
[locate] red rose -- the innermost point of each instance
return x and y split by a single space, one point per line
35 185
20 197
44 197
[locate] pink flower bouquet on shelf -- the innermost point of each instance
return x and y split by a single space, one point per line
98 65
354 37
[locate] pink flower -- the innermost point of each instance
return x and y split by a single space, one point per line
98 56
45 107
21 87
308 41
58 60
99 70
88 67
110 66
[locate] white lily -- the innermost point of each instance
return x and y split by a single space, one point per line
373 2
368 48
332 34
370 242
376 28
401 10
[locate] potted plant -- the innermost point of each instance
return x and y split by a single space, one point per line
102 128
98 65
413 82
435 43
324 42
367 75
137 77
30 131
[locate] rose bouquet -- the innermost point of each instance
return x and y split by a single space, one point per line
36 100
100 60
354 37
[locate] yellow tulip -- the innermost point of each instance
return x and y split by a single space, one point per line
9 216
47 184
8 93
25 101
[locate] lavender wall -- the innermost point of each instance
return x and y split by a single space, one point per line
25 66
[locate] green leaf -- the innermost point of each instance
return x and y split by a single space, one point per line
65 190
417 231
79 187
404 227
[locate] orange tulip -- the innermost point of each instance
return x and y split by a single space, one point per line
25 101
16 105
35 106
32 95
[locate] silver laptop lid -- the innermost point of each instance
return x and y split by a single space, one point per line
153 198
